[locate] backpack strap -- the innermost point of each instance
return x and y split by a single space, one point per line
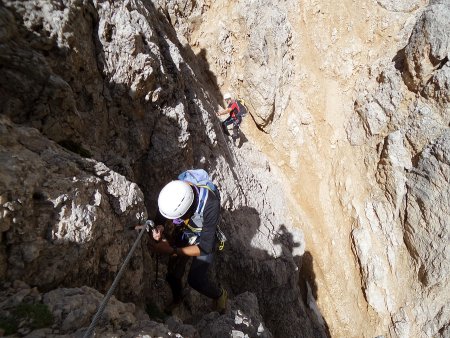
202 198
243 110
197 218
206 186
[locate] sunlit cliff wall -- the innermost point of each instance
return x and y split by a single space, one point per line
335 202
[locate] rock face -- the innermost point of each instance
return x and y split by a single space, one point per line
335 203
427 214
427 51
403 233
101 105
64 217
252 51
72 310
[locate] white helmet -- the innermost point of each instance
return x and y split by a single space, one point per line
175 199
227 96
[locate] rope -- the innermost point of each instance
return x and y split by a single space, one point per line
111 290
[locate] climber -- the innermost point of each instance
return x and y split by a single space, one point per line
194 212
236 111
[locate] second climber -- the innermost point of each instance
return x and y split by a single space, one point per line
234 118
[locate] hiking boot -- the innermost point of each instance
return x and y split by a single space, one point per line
221 302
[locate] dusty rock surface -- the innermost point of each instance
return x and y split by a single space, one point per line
64 217
353 102
335 201
407 132
102 105
74 308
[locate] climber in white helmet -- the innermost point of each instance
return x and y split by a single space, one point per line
194 212
235 116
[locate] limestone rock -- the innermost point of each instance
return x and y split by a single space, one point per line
439 86
243 320
408 141
87 72
128 91
427 227
399 6
395 160
266 67
429 46
73 310
59 210
185 330
425 125
380 108
259 70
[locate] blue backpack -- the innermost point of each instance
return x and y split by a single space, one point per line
199 178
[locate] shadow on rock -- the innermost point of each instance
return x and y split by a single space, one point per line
265 261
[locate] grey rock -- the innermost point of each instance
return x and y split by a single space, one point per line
376 118
126 103
425 126
427 228
63 213
176 325
380 109
402 225
74 309
243 320
399 6
438 87
429 46
395 160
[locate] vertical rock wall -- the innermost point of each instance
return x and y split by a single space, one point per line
352 100
336 201
104 94
409 128
65 218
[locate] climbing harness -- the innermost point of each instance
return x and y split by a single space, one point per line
148 224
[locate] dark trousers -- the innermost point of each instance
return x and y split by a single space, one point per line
236 122
198 277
